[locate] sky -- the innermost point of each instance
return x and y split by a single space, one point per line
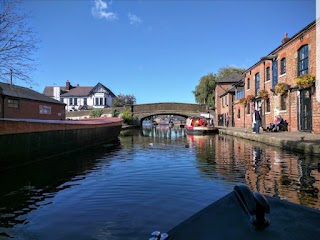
156 50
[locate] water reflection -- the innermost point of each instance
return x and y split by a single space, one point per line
162 131
265 169
129 189
32 186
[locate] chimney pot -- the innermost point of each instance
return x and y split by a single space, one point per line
67 85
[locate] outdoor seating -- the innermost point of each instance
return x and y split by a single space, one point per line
282 126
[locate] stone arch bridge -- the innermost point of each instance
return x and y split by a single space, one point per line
143 111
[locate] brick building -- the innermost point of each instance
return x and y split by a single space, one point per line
270 85
225 97
20 102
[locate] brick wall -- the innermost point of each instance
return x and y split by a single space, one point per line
289 51
29 109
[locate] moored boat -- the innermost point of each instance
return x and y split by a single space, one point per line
30 140
200 126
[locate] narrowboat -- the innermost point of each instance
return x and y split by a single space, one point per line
200 126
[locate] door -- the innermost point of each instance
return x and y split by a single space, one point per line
220 120
305 119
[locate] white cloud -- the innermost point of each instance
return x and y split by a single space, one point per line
134 19
99 10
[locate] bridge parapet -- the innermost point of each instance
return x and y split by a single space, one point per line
168 107
141 111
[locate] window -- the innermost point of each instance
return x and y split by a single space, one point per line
248 83
257 82
268 74
268 105
238 115
44 109
283 102
240 94
13 103
101 101
303 60
70 101
97 101
75 102
85 101
283 66
248 108
61 99
105 101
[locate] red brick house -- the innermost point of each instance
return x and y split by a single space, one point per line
21 102
225 97
271 86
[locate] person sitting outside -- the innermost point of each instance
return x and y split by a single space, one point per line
275 126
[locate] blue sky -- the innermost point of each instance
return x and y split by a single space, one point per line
156 50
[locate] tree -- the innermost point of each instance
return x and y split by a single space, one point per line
17 42
205 90
122 100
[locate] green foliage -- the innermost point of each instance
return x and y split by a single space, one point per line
205 90
96 113
224 71
121 100
127 117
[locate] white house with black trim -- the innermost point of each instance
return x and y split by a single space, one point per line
78 97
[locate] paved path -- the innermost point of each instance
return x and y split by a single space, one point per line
303 142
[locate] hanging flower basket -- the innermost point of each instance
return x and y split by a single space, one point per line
305 81
264 94
281 88
243 101
250 98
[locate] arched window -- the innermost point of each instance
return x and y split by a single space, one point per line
303 60
283 66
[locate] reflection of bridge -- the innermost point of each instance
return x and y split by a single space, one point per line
142 111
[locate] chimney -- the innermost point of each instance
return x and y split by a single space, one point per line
67 85
285 38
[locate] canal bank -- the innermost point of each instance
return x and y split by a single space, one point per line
302 142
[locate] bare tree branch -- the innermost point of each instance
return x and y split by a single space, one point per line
18 42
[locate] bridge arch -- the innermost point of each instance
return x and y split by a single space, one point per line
142 111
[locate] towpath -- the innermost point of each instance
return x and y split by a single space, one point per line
303 142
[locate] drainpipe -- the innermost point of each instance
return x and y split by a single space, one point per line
2 103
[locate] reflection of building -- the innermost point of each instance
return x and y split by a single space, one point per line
273 173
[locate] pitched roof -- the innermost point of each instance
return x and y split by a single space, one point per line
25 93
289 41
231 78
75 91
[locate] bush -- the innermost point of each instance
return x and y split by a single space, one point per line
96 113
127 117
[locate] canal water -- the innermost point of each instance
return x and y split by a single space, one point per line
151 179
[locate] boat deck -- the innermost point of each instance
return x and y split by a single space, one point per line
227 219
